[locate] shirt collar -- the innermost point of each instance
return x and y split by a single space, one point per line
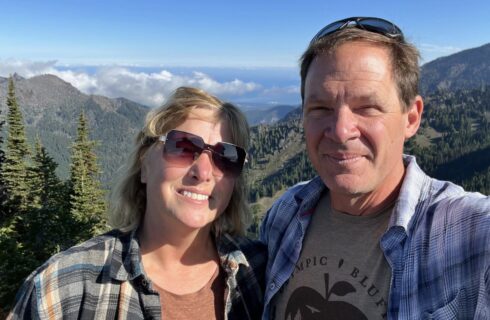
413 192
230 252
307 197
126 257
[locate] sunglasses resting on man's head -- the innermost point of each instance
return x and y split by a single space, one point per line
183 148
371 24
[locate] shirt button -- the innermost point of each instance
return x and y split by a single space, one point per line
272 286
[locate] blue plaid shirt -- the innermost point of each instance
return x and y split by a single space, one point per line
437 244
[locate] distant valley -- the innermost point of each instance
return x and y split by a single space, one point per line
267 115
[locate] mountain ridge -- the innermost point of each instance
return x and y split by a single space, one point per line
467 69
51 106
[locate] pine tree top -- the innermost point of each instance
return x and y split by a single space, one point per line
16 137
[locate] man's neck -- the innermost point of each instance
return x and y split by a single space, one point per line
364 204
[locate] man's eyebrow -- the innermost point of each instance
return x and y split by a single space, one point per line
371 98
365 95
315 98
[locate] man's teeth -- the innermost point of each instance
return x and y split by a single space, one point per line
195 196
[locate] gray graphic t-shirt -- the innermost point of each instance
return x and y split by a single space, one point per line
341 272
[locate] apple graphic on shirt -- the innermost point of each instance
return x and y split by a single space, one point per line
307 304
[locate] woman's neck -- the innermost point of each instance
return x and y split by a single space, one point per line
171 240
177 261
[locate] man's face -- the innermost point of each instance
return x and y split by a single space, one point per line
354 123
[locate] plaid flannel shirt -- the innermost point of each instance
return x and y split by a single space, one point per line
437 244
103 278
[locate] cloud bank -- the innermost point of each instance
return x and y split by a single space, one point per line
148 88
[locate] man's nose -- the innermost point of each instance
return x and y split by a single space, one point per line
342 126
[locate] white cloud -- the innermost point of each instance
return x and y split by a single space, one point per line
149 88
282 90
26 68
235 87
80 80
427 47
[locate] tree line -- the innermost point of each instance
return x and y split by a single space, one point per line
41 215
461 151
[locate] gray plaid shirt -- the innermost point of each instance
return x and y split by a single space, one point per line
103 278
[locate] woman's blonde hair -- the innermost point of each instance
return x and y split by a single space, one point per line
128 199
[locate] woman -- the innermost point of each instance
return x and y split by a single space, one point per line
178 213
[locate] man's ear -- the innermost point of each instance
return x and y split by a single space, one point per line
414 117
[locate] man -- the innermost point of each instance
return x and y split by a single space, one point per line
372 237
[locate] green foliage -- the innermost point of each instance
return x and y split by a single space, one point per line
15 262
278 157
87 205
461 151
47 188
3 190
58 215
14 169
253 229
26 235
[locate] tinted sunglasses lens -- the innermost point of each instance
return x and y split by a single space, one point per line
180 148
377 25
229 158
380 26
328 30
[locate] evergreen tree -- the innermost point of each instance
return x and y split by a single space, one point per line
14 169
49 213
3 190
87 205
15 261
29 238
47 188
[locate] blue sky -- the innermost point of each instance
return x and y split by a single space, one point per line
245 51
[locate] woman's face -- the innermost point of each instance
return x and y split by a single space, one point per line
193 196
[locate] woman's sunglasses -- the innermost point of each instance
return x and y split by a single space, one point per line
183 148
371 24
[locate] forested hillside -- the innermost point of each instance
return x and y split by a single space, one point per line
40 213
468 69
453 144
50 107
277 156
46 123
454 141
